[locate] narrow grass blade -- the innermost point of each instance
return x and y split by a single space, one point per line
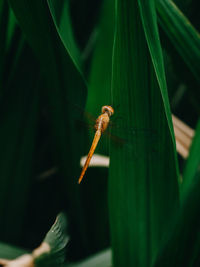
61 16
149 20
182 34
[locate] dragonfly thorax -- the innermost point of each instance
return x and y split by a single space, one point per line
102 122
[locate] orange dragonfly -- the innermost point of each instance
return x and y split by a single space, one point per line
100 126
140 135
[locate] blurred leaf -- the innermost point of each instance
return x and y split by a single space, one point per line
95 203
193 162
3 25
143 188
101 66
61 16
57 240
63 84
182 34
51 252
182 241
10 29
100 75
102 259
10 252
19 114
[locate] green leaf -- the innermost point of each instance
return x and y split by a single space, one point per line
100 75
10 252
101 67
3 23
57 241
193 162
143 188
182 242
51 252
148 15
182 34
61 16
101 259
17 140
63 83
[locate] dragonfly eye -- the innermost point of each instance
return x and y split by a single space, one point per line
107 109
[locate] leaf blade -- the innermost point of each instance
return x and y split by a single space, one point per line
143 188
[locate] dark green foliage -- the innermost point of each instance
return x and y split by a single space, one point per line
58 57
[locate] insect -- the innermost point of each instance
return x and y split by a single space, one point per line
100 126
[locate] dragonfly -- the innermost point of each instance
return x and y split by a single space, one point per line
100 126
134 147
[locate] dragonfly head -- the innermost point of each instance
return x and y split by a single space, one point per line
107 109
